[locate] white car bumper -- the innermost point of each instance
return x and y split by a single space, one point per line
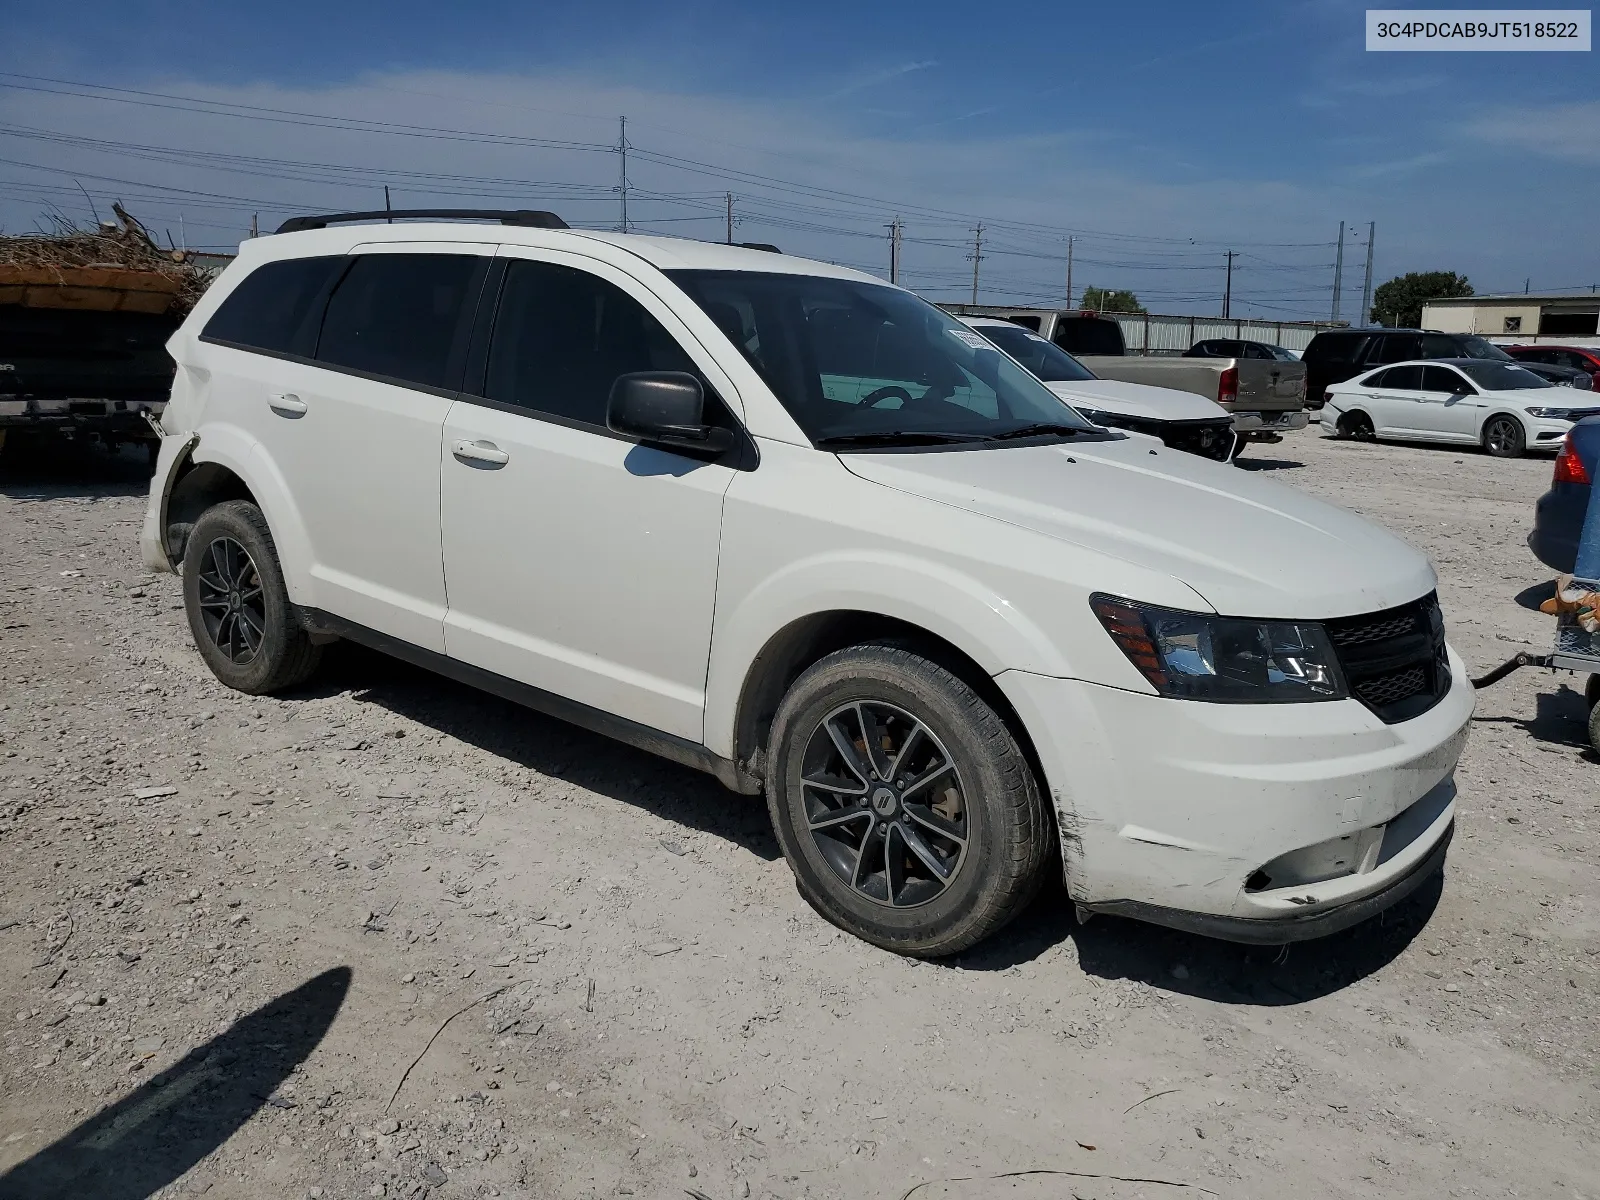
1255 823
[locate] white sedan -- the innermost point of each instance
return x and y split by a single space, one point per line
1505 408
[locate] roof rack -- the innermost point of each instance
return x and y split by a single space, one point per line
527 217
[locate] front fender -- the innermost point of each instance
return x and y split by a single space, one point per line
947 603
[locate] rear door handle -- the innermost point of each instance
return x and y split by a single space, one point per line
486 453
288 405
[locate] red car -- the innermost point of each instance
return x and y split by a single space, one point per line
1584 358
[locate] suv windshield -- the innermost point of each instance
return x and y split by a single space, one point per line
1049 362
1503 377
1476 347
857 363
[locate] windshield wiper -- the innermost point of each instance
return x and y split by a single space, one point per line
1038 430
897 437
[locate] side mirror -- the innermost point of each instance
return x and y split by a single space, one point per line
664 408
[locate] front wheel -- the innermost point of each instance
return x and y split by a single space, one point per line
1503 437
239 611
907 810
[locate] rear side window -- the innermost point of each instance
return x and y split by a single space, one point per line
1395 348
269 309
1405 379
1443 379
1089 335
562 337
400 316
1335 347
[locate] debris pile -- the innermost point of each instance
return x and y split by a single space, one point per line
114 268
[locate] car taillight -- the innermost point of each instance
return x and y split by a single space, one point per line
1569 467
1228 390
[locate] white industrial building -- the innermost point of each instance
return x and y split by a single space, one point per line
1527 318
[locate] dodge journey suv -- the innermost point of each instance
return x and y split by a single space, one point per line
788 524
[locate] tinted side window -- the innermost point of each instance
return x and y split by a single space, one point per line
1379 380
1443 379
1395 348
562 337
399 315
271 305
1405 379
1026 322
1089 335
1334 347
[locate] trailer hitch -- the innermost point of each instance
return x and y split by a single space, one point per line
1523 659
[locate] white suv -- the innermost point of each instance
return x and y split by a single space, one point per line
796 527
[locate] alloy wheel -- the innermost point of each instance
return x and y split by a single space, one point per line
1503 437
231 601
884 804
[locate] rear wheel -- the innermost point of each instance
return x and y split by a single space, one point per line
908 812
1503 437
239 611
1356 425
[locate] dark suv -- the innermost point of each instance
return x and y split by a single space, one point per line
1340 354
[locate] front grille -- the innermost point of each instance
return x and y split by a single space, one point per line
1394 661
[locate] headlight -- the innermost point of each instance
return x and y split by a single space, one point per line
1559 414
1225 660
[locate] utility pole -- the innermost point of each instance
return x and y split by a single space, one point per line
730 218
894 250
622 149
390 220
1338 274
1526 284
255 225
1070 240
1366 288
977 257
1227 289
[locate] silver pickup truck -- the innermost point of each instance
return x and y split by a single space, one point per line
1267 397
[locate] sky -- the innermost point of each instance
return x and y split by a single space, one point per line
1156 136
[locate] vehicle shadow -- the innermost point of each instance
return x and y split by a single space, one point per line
1267 464
1560 718
1268 976
1116 948
47 468
544 744
137 1146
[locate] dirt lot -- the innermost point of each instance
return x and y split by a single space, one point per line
228 926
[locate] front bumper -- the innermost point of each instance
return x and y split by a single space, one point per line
1265 823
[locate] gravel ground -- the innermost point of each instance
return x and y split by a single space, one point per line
228 927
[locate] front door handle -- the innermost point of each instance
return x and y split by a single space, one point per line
288 405
480 452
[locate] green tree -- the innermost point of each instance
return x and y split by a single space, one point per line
1399 302
1106 300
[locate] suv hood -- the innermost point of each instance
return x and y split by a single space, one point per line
1138 400
1250 547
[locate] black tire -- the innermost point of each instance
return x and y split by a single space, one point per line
1007 837
1594 728
239 611
1503 437
1356 425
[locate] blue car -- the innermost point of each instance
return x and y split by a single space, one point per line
1558 515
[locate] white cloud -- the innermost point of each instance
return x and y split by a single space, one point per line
1570 132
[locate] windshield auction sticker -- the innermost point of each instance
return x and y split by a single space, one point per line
1477 29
